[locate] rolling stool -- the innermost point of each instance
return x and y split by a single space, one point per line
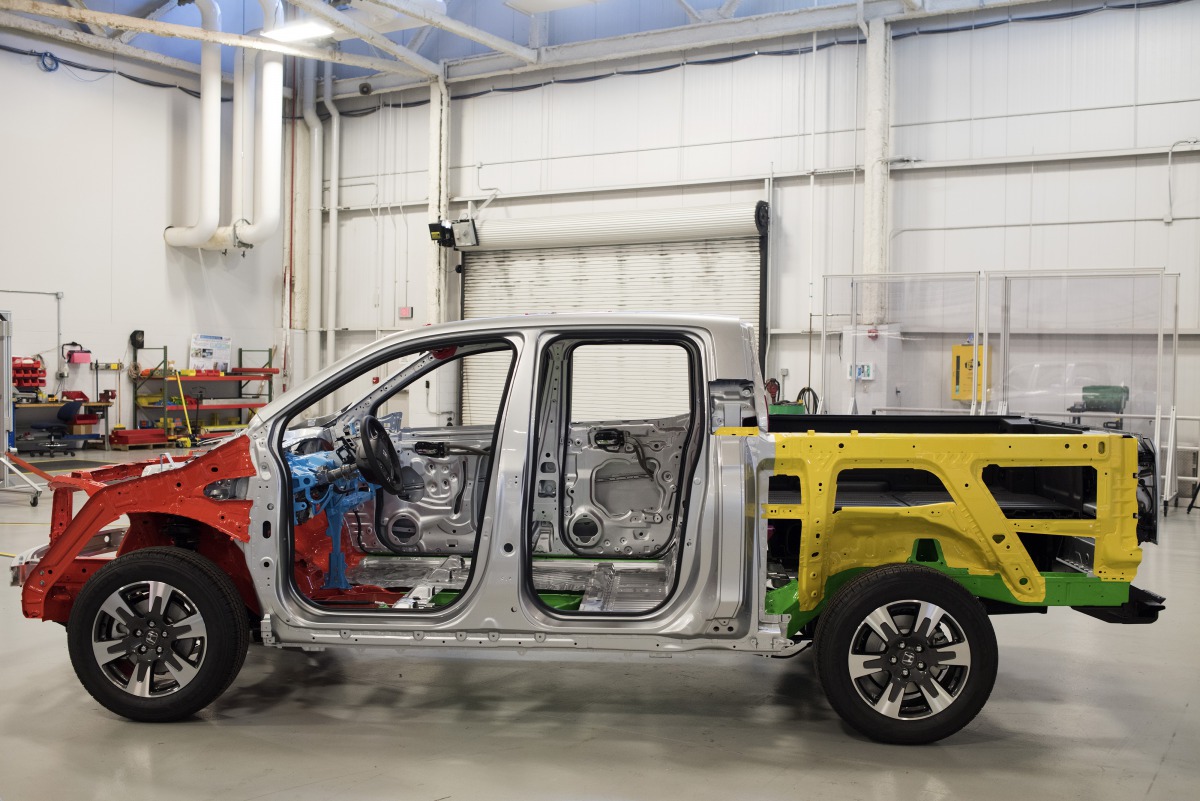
66 416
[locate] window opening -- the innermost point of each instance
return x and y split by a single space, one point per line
616 441
389 491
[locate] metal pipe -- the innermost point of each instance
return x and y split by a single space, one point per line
265 84
241 89
439 194
268 155
1170 218
209 211
331 242
316 155
268 140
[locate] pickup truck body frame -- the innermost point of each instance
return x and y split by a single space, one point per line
745 487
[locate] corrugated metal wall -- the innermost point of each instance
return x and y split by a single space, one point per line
702 135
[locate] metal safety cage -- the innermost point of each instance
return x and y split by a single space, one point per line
1096 348
886 340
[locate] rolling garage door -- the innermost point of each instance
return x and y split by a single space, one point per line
698 261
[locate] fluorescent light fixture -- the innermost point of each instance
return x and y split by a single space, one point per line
546 6
304 30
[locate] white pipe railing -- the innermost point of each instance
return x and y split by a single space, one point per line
208 214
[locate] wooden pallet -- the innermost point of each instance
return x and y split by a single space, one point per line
125 446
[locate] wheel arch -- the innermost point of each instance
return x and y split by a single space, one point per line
152 529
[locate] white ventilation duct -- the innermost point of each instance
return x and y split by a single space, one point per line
727 221
209 212
267 120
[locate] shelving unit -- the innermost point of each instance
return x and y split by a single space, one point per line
199 414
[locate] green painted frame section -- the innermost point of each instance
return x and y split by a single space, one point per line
1062 589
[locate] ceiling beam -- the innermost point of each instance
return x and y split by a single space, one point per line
738 30
172 31
96 29
499 44
157 14
728 8
102 43
344 22
692 14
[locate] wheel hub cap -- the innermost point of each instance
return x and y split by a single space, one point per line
149 639
909 660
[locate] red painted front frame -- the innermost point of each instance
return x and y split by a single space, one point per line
119 490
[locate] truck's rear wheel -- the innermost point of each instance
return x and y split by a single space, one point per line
905 654
158 634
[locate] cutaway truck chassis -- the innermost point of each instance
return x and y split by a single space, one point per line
597 482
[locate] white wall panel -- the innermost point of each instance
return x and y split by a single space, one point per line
1102 129
708 104
919 81
659 109
1006 91
1103 190
1051 194
1039 134
94 172
1037 51
1168 65
1161 125
762 100
1100 247
977 202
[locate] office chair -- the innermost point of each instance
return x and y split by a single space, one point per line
58 430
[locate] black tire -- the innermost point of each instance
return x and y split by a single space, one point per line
167 674
918 684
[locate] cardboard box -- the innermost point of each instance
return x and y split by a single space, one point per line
82 429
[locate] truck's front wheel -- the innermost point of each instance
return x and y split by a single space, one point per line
157 634
905 654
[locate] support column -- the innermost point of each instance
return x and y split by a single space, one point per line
877 132
439 196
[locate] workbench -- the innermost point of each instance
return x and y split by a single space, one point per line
26 414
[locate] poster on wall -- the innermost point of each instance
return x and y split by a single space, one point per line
210 352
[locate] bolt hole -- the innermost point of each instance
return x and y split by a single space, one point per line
508 548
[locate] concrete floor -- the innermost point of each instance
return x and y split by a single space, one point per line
1081 709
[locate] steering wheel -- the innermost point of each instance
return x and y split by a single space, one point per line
375 455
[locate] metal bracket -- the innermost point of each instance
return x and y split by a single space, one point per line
267 632
731 400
